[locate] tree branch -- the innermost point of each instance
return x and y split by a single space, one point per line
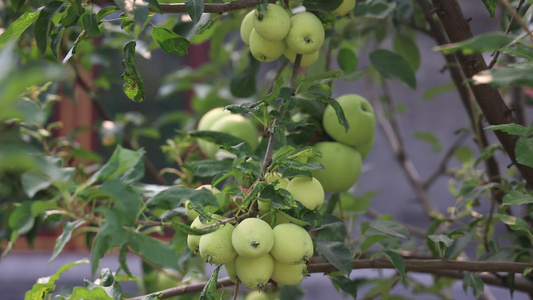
445 268
488 98
217 8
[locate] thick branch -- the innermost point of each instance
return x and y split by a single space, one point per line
445 268
487 97
217 8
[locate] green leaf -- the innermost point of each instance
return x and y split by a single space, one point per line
442 238
209 168
516 224
43 22
527 271
519 74
15 29
346 285
524 151
396 260
179 226
512 129
127 202
81 293
390 228
65 237
338 254
243 84
153 250
394 67
491 6
105 11
470 193
377 9
515 197
39 291
437 90
90 23
242 148
481 43
133 86
195 9
477 285
510 282
169 41
292 292
338 111
174 196
137 10
154 4
326 75
111 234
429 138
322 5
371 240
333 229
347 60
22 219
210 289
517 51
406 46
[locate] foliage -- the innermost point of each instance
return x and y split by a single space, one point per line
116 199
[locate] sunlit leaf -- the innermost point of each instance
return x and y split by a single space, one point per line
16 28
169 41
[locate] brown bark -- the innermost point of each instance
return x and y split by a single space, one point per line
488 98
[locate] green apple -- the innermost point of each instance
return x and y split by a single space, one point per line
252 238
365 149
360 116
289 274
307 191
236 125
307 59
265 213
205 123
193 241
257 295
301 157
292 244
230 270
306 35
254 272
344 8
216 247
342 166
223 202
264 50
274 24
247 25
276 177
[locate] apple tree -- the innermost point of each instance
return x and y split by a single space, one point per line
259 174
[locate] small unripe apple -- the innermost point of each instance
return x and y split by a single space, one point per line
274 24
254 272
342 166
205 123
292 244
306 35
216 247
257 295
307 59
360 116
264 50
344 8
230 270
223 202
193 241
307 191
247 25
252 238
278 179
289 274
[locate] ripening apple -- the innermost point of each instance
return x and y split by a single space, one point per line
216 247
264 50
252 238
193 241
236 125
289 274
344 8
342 166
292 244
247 25
360 116
307 191
254 272
223 202
307 59
306 35
273 25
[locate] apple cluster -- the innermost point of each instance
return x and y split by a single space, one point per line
275 33
253 252
342 157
